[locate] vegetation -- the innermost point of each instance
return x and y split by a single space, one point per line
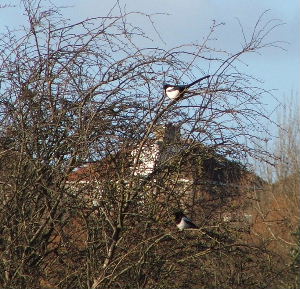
80 107
278 209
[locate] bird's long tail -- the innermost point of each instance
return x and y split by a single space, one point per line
198 80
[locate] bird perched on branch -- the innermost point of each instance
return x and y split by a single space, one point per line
174 91
183 222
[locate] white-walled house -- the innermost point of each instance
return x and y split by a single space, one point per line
187 167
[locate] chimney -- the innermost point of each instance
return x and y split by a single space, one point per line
168 133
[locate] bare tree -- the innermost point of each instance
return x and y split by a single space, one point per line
278 204
87 95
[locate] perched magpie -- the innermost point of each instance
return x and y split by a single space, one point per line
176 91
183 222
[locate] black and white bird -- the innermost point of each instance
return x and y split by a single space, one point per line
174 91
183 222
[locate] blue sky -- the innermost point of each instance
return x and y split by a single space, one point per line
189 21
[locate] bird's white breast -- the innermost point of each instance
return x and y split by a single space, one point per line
182 225
172 93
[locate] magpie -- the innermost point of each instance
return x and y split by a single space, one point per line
183 222
176 91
